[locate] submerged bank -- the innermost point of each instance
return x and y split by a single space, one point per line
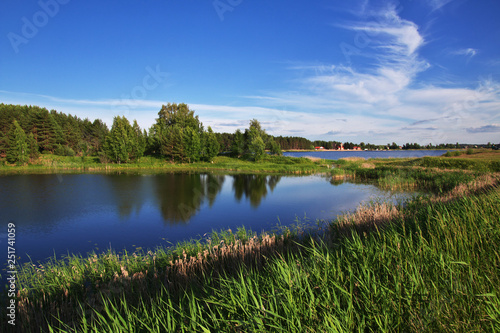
432 265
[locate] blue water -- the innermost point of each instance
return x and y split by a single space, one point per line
79 213
335 155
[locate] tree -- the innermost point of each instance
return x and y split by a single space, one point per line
211 145
238 145
32 147
257 147
192 145
137 141
17 151
121 141
274 148
177 134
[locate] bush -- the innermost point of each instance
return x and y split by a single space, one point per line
64 151
453 154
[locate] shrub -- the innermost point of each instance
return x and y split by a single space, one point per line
64 151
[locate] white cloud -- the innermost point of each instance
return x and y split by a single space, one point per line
469 52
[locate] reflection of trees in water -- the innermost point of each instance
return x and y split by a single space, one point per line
180 196
129 192
253 187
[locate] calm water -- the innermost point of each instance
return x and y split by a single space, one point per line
335 155
78 213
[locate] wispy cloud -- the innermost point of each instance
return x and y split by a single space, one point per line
438 4
468 52
485 129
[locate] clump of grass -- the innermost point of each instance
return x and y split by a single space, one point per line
452 153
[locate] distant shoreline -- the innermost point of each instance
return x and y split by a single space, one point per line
352 150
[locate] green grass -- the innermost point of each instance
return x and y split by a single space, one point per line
269 164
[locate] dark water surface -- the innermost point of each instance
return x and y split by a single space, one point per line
78 213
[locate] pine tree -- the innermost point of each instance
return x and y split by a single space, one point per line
17 151
139 141
32 147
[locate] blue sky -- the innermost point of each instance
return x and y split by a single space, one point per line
374 71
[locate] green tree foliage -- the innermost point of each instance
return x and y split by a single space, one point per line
32 147
255 140
212 145
192 145
124 143
257 147
138 142
17 150
53 131
293 142
274 148
238 145
177 134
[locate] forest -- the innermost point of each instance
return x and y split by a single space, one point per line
177 135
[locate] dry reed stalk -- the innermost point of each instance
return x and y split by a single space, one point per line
353 159
481 184
182 272
313 159
368 165
366 218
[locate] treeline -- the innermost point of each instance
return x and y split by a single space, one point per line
27 131
177 135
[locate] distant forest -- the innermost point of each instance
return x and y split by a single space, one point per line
177 135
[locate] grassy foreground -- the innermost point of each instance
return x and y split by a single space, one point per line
430 266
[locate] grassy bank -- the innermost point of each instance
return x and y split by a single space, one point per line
269 164
436 174
429 266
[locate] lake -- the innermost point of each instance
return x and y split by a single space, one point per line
336 154
79 213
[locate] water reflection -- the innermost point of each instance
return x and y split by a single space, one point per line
128 191
78 213
180 196
253 187
43 202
